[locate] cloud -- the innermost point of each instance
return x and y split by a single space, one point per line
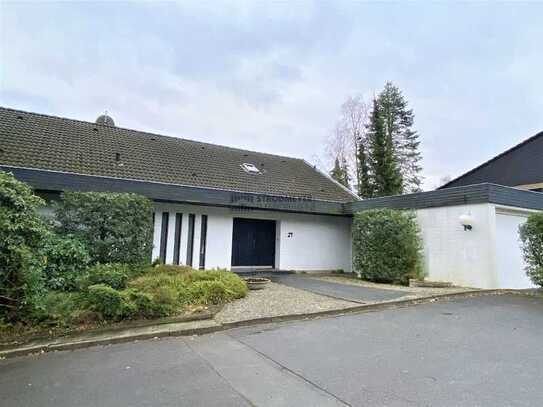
272 76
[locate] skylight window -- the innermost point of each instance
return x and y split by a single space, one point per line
250 168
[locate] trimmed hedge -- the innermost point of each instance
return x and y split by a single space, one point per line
387 246
66 261
22 288
116 227
531 235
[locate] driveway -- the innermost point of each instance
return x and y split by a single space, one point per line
336 290
483 351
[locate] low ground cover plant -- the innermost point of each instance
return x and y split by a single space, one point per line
90 263
387 246
531 235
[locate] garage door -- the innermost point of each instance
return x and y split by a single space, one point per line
509 261
253 243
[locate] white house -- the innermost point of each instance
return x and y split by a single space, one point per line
217 206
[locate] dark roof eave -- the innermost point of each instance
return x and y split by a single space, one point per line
463 195
45 180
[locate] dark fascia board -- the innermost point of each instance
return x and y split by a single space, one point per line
52 181
470 194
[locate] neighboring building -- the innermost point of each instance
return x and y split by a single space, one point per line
214 206
224 207
521 167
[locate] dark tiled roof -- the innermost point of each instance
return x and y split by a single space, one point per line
520 165
33 140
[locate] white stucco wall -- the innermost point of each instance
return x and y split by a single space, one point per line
465 258
488 256
317 242
510 264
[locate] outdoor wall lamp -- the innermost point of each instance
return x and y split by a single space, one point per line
466 220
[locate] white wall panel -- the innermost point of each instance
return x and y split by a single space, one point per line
465 258
509 260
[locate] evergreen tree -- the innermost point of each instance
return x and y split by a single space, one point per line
385 171
398 123
365 185
340 172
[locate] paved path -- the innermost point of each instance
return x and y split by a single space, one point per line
483 351
337 290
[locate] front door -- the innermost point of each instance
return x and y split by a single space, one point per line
253 243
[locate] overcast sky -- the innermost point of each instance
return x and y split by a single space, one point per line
271 76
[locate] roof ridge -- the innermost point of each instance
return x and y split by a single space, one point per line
140 132
516 146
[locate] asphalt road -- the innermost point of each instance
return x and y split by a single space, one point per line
482 351
336 290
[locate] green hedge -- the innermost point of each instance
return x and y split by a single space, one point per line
531 235
23 232
116 227
387 246
66 261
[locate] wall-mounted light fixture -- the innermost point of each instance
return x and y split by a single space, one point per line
466 220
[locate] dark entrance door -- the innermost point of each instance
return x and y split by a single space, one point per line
253 242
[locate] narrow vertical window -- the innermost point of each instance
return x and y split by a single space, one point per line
177 241
190 239
164 236
203 237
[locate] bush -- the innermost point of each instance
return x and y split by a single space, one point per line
531 235
115 275
387 246
109 302
182 285
116 227
149 306
62 307
22 287
66 260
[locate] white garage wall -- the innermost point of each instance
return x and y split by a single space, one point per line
489 256
465 258
509 260
317 242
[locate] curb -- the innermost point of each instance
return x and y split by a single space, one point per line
358 309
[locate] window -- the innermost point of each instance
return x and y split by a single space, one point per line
164 236
190 241
250 168
203 238
177 238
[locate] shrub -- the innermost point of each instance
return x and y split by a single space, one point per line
531 235
109 302
190 286
115 275
62 307
387 246
66 260
21 265
149 306
116 227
